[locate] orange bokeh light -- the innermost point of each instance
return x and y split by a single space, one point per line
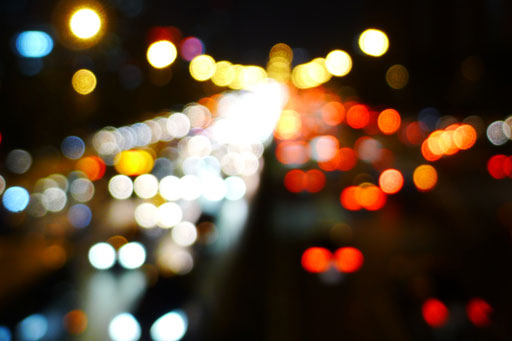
348 198
93 167
75 322
427 153
348 259
358 116
391 181
389 121
434 312
425 177
464 136
370 197
316 259
333 113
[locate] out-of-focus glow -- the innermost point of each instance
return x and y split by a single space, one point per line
397 76
146 186
5 334
54 199
120 186
85 23
134 162
288 126
314 181
370 197
92 166
170 327
178 125
348 198
84 81
82 190
338 63
368 149
333 113
72 147
391 181
434 312
348 259
316 259
102 256
191 187
2 184
292 152
75 322
373 42
132 255
500 166
124 327
236 188
169 188
498 133
32 328
161 54
479 311
225 73
464 136
169 214
294 180
15 199
191 47
358 116
184 234
79 215
146 215
18 161
344 160
34 44
389 121
324 148
425 177
214 188
202 67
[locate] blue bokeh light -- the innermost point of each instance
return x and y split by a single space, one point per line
34 44
73 147
32 328
79 215
15 199
5 334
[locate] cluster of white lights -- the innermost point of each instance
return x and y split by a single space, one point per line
102 256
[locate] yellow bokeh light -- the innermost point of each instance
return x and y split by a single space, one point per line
425 177
161 54
133 162
373 42
251 75
84 81
85 23
310 75
224 73
397 76
289 125
202 67
338 63
281 50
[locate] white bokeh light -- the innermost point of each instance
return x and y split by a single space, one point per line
102 256
170 327
184 234
169 214
132 255
146 186
120 187
124 327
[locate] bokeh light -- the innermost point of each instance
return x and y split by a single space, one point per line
5 334
85 23
184 234
358 116
435 312
389 121
161 54
120 187
373 42
338 63
316 259
145 186
397 76
425 177
169 214
479 312
202 67
75 322
102 256
15 199
92 166
34 44
72 147
18 161
170 327
124 327
83 81
32 328
391 181
191 47
80 215
132 255
333 113
134 162
348 259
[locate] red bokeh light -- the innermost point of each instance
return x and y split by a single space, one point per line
294 180
348 259
314 181
358 116
316 259
499 165
348 198
479 311
435 313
